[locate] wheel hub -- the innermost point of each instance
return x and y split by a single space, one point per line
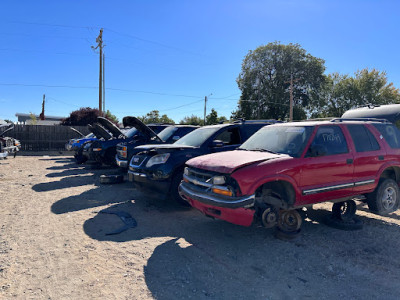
269 217
389 198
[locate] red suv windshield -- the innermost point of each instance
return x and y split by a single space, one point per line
281 139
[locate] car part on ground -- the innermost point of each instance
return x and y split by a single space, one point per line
111 179
126 218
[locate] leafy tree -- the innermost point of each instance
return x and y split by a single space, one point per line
372 87
342 92
154 117
85 116
265 82
192 120
82 117
8 121
212 118
336 96
33 118
111 117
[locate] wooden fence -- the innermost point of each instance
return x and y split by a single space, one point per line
44 137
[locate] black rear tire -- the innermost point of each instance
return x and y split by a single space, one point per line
386 197
80 159
345 210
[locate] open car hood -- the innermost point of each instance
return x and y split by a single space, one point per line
389 112
99 131
115 131
77 131
7 130
139 125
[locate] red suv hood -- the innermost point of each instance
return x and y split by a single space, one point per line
229 161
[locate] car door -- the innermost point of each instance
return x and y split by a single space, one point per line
369 156
226 139
327 171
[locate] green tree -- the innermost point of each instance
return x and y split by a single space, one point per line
192 120
336 96
212 118
111 117
372 87
342 92
33 118
265 82
154 117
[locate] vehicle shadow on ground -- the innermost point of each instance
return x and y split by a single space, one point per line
64 183
204 258
68 172
58 160
100 195
69 165
363 207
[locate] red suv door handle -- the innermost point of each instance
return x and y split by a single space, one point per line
349 161
380 157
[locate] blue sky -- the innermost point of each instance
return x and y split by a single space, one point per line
168 55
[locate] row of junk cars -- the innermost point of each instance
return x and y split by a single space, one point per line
260 172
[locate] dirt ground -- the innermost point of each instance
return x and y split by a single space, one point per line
55 244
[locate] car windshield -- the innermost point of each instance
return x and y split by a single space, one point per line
90 135
167 132
131 132
289 140
197 137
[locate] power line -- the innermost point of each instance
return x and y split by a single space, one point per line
110 30
56 100
152 42
54 25
44 52
96 87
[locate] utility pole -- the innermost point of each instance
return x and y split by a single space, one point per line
104 85
291 96
205 109
99 41
291 99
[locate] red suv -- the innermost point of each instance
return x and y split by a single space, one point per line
284 167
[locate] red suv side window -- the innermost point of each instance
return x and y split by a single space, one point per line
390 133
331 139
362 138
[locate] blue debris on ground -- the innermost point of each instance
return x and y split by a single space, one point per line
128 220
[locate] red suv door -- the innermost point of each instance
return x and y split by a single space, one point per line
368 158
327 171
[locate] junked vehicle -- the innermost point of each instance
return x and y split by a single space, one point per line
390 112
8 145
99 133
285 167
103 151
75 144
159 168
168 135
